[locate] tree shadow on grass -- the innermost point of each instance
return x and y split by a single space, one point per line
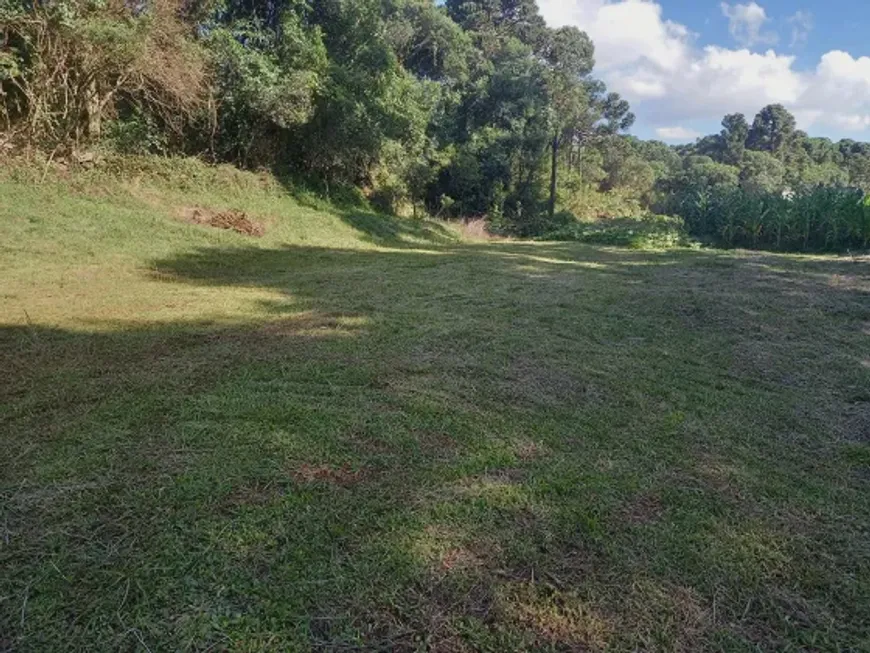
398 232
504 446
234 474
374 227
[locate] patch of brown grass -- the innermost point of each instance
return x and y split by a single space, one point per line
644 509
231 220
528 450
530 380
460 559
667 613
555 617
344 476
476 230
446 550
502 484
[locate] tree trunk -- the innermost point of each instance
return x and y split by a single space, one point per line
95 112
553 179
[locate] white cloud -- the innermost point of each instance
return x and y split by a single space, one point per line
656 64
745 22
801 26
677 134
635 30
852 121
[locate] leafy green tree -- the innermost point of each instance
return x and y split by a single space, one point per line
504 123
267 81
703 172
570 58
711 146
429 44
495 20
664 159
773 130
367 100
734 134
762 172
859 172
825 174
822 151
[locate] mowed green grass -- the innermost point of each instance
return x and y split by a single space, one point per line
362 433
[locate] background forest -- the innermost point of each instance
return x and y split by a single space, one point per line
473 109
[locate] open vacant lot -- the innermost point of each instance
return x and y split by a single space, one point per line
355 433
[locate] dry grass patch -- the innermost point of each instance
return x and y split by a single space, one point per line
554 617
344 475
229 219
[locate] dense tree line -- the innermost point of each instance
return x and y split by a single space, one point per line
455 108
768 184
467 108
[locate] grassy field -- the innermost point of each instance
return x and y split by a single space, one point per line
357 433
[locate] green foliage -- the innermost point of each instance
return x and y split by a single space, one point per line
646 232
138 133
773 130
428 42
406 101
787 192
762 172
810 220
735 131
267 81
589 202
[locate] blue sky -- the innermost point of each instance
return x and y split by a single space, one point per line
683 64
837 24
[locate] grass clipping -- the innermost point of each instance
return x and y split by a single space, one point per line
231 220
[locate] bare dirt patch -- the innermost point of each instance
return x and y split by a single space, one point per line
493 481
460 559
230 220
528 450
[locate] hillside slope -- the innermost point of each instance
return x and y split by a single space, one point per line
67 231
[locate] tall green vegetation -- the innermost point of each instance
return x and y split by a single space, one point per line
470 108
464 109
769 185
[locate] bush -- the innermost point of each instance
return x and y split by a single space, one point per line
647 232
590 203
139 134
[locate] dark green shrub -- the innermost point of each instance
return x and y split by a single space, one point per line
647 232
